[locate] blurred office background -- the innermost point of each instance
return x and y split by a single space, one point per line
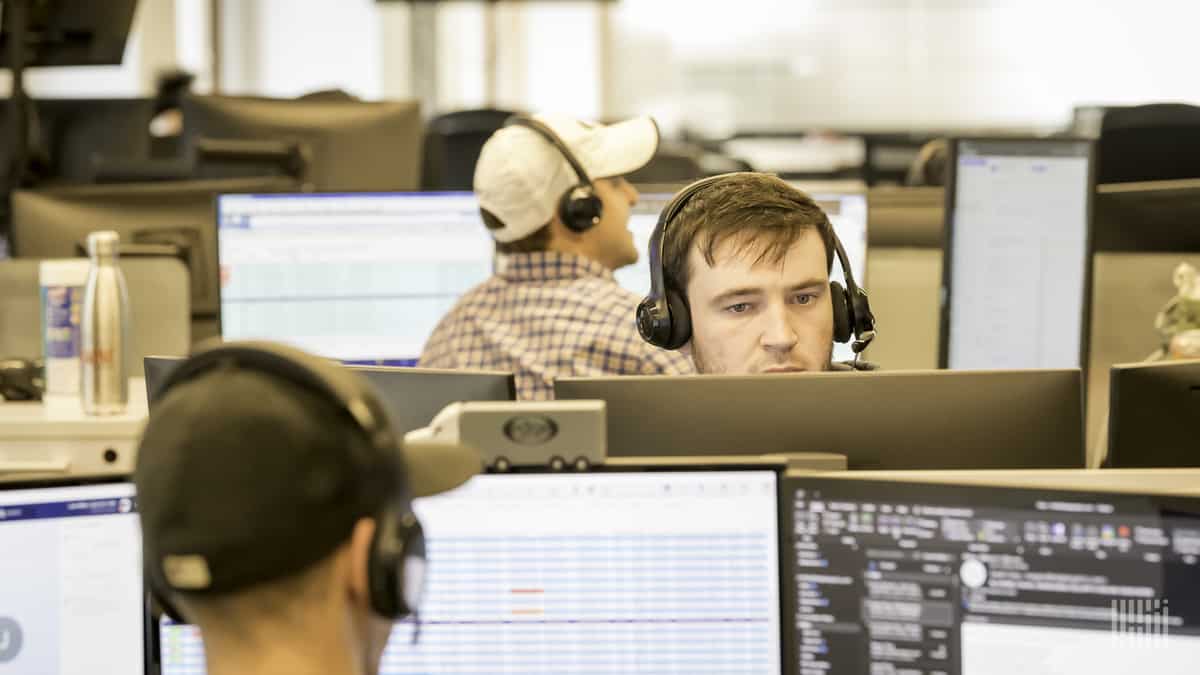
836 95
709 68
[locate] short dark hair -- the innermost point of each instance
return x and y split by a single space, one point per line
762 213
538 241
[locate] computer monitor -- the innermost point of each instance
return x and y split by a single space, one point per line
76 134
412 396
1152 414
360 277
877 419
642 219
900 576
606 572
71 595
69 32
1017 261
847 212
55 222
1150 217
353 145
59 33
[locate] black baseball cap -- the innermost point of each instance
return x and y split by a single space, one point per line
244 476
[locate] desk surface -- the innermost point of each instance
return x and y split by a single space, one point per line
63 417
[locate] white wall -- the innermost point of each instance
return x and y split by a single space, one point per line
395 24
286 48
547 57
461 56
896 63
558 59
193 41
755 63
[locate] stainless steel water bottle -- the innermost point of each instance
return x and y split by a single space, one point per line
104 334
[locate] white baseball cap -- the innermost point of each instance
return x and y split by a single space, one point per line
520 177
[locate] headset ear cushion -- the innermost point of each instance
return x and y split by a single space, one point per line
648 322
381 575
160 604
580 209
841 312
681 320
384 566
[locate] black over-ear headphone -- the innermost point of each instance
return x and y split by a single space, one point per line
579 208
664 319
397 553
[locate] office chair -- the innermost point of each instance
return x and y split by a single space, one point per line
1158 141
452 145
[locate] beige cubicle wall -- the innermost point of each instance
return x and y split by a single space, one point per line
904 275
1128 290
905 286
904 267
159 307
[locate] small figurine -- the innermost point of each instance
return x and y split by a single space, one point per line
1178 323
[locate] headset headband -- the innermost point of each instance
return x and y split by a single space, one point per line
547 133
656 315
658 285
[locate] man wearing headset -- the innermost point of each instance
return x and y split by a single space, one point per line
275 512
552 196
740 273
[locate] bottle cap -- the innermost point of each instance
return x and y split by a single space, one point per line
103 243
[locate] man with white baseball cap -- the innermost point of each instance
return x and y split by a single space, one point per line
552 194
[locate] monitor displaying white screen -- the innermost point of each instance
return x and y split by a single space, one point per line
71 596
847 213
663 572
1017 254
642 219
360 277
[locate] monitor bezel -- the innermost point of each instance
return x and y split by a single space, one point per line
149 626
785 603
949 196
1164 504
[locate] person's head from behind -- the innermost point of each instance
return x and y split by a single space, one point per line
532 199
275 513
751 257
929 167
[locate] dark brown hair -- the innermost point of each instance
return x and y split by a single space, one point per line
539 240
761 213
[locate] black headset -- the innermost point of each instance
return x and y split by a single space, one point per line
664 318
579 208
399 541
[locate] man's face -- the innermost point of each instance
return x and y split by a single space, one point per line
761 318
612 242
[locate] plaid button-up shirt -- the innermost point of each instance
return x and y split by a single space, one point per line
545 315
